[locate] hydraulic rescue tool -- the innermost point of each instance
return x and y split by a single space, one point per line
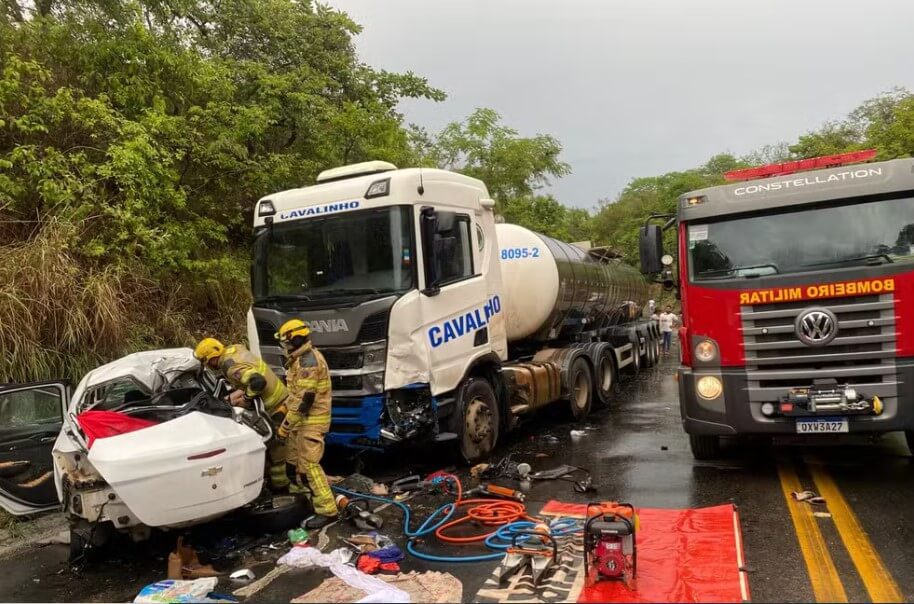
609 543
538 550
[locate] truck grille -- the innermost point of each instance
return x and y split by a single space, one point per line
862 354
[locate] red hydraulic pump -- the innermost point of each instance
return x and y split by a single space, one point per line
609 543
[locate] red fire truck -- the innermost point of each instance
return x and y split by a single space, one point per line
797 289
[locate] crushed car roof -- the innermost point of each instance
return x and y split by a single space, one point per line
147 368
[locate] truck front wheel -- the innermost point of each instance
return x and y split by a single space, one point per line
477 420
704 447
580 385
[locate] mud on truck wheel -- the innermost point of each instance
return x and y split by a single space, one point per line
476 420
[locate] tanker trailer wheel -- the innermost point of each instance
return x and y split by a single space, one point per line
580 385
635 365
649 359
605 381
476 420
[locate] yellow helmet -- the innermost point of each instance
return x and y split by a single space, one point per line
291 329
208 349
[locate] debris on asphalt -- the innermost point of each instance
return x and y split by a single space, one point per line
199 590
477 470
664 448
808 497
379 489
184 563
822 514
432 587
245 574
60 538
567 473
577 434
372 566
549 439
336 561
298 536
249 590
358 512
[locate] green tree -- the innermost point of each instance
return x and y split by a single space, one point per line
135 137
514 168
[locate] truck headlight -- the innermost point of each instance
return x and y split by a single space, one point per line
706 351
709 387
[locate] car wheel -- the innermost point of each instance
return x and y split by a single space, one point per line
281 513
704 447
580 386
476 420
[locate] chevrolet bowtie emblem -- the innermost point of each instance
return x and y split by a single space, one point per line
211 471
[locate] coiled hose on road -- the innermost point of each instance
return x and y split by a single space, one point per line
509 518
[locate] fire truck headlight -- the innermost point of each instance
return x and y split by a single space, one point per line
709 387
767 409
706 351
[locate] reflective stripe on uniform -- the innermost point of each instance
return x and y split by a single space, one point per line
321 495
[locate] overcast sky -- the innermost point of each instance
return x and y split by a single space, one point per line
642 87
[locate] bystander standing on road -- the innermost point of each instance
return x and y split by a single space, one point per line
667 321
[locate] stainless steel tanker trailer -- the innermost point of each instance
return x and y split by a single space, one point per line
436 321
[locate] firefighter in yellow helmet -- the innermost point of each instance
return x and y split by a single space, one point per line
250 377
308 419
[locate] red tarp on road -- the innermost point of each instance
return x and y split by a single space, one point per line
102 424
683 556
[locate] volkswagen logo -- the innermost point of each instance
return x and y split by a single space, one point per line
816 326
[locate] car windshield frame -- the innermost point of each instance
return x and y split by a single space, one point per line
834 235
332 226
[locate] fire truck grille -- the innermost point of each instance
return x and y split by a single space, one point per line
862 353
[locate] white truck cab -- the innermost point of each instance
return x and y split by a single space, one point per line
400 276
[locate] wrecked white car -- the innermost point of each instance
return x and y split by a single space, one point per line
146 441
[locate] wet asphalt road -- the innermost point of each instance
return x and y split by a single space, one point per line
637 452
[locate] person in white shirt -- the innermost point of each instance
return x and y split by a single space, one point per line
667 320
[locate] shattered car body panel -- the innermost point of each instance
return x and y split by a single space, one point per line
194 465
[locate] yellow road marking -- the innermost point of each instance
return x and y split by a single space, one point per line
826 584
876 577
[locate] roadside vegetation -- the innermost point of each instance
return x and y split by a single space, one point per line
135 137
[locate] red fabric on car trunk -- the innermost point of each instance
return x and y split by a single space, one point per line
102 424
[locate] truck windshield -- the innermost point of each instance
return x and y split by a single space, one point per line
794 241
362 253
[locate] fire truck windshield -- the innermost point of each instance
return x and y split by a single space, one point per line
799 240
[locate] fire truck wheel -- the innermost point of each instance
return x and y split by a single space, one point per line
704 447
580 386
476 420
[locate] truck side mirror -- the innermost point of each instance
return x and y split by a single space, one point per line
428 228
650 246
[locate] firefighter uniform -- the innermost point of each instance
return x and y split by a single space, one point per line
307 421
247 372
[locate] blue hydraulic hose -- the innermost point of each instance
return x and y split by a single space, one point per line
558 528
427 526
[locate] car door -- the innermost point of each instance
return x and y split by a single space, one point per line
31 416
